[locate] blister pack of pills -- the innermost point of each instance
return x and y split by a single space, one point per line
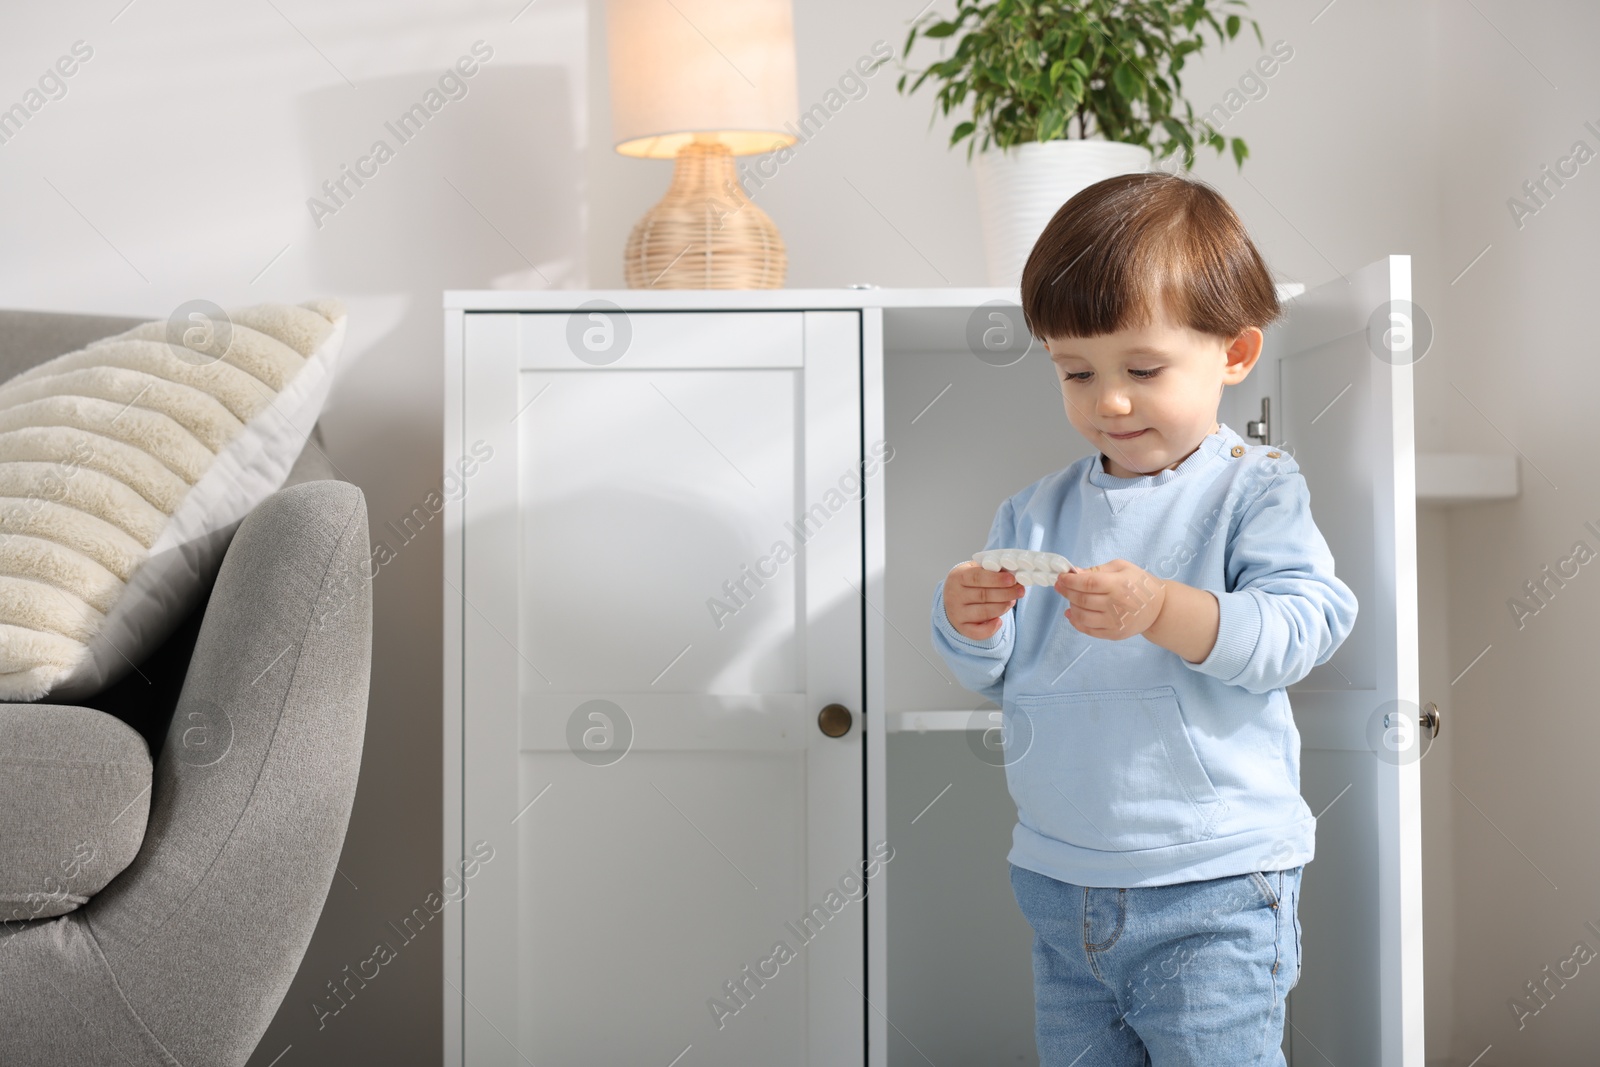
1030 568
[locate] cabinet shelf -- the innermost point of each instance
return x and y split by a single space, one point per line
919 722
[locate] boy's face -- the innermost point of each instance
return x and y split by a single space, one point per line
1161 383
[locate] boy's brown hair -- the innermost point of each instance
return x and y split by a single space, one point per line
1123 248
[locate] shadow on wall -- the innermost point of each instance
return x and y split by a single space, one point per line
437 179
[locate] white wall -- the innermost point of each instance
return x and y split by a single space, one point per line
1520 373
184 151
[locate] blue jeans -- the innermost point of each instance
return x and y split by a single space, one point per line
1192 974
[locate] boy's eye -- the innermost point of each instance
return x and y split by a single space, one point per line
1142 375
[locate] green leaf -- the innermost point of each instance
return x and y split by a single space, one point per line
961 131
1126 81
945 29
1240 153
1049 123
1233 26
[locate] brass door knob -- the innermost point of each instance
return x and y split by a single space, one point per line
834 720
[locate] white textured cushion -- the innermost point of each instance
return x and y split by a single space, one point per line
125 468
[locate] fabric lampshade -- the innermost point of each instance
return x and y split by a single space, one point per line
709 67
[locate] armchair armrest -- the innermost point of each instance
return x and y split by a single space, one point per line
186 955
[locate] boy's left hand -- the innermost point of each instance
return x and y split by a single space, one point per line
1114 600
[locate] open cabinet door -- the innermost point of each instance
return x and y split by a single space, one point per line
1338 373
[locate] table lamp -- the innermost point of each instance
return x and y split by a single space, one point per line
702 81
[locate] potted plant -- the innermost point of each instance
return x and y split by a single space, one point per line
1064 95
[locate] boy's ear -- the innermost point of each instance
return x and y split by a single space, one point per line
1242 353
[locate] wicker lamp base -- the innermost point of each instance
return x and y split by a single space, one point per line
705 233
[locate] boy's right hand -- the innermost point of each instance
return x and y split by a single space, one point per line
975 599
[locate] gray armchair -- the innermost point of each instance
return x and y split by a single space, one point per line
165 851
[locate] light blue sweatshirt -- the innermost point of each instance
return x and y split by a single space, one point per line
1129 765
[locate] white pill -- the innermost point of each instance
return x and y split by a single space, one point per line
1030 568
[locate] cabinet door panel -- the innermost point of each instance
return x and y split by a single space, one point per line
643 676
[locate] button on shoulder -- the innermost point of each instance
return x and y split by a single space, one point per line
1269 459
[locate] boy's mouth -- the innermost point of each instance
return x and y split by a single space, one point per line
1124 436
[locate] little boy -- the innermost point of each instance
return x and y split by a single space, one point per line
1149 744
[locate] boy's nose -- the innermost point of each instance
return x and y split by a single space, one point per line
1112 402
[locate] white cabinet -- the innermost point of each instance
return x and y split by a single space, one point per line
740 811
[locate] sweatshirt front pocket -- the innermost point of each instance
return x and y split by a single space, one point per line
1110 770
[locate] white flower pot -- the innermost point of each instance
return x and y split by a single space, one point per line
1021 188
